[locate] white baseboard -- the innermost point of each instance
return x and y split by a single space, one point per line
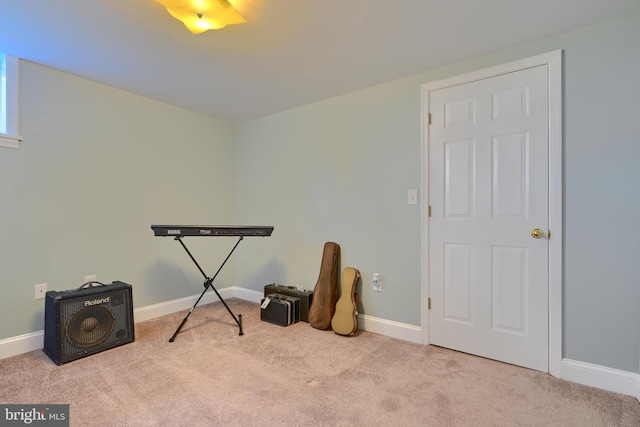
571 370
162 309
21 344
247 294
390 328
601 377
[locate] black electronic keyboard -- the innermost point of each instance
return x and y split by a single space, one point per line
211 230
180 231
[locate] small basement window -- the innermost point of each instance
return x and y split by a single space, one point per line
9 101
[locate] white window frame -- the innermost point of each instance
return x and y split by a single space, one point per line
11 139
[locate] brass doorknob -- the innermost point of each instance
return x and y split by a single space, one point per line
536 233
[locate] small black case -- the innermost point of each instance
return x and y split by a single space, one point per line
280 309
305 297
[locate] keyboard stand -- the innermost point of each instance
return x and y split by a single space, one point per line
208 283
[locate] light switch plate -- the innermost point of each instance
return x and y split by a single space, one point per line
412 197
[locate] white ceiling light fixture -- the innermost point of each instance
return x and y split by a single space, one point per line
202 15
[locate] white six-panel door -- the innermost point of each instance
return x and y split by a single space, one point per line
488 228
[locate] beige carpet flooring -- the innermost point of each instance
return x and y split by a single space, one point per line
297 376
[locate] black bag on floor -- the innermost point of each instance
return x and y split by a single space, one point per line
280 309
304 295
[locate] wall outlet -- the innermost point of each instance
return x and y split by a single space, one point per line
89 279
377 282
41 290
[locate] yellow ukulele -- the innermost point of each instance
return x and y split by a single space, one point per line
345 319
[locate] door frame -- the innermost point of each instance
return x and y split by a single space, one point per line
554 62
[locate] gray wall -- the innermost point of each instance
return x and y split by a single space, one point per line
339 170
97 167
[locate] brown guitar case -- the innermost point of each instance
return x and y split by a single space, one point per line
325 293
345 319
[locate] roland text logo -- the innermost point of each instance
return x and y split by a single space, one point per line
89 303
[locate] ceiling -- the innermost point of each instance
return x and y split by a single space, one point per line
289 53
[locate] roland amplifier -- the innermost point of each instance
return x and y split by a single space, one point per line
88 320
